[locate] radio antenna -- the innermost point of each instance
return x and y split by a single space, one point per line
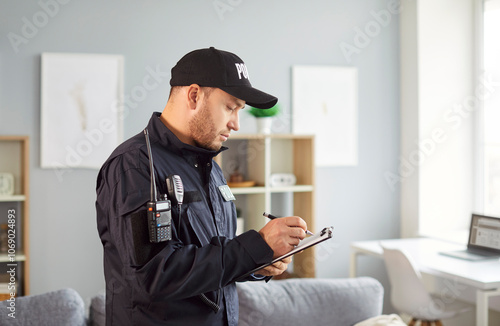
151 169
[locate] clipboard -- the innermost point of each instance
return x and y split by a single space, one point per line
308 242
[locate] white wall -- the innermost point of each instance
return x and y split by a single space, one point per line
438 74
270 36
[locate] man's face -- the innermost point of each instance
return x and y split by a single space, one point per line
216 117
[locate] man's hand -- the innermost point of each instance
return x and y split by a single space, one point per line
275 269
284 233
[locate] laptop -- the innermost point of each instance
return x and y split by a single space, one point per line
484 240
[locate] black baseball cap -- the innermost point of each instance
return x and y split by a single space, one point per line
215 68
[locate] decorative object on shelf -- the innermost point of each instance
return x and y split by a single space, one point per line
282 179
241 184
236 176
4 238
264 118
236 179
6 184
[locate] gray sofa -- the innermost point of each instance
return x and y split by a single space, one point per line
334 302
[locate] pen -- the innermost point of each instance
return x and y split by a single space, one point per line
272 217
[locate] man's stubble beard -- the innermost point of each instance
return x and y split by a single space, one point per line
203 130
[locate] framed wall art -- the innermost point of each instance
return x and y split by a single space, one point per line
81 99
325 104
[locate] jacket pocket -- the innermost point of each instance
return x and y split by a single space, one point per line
202 225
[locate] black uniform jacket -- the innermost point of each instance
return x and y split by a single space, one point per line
161 283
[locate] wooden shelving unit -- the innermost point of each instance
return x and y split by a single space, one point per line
14 153
258 157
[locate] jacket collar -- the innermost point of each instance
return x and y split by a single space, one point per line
165 137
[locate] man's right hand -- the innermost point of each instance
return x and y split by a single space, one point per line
284 233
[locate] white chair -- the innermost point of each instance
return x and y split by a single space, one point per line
409 295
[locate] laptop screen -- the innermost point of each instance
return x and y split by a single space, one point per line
485 232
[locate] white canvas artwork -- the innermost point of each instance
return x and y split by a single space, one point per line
325 104
81 98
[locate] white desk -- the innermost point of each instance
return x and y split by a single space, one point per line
483 275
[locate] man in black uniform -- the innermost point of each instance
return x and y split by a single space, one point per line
189 279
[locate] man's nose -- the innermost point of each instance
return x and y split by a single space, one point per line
234 123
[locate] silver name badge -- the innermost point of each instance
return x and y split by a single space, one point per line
226 193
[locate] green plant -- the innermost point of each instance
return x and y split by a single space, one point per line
259 113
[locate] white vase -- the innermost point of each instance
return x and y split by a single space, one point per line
264 125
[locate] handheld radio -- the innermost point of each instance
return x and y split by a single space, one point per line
175 190
159 211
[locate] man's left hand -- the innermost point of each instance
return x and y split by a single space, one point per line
275 269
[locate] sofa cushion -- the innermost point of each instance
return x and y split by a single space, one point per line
97 310
331 302
62 307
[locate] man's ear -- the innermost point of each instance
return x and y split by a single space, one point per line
193 94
